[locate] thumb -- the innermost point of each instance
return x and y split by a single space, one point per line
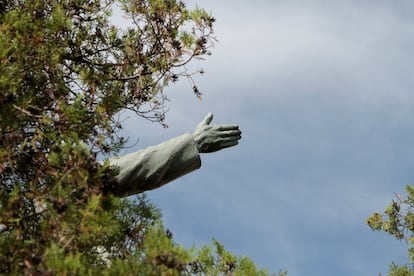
207 120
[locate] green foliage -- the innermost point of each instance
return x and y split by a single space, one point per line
396 270
398 221
66 71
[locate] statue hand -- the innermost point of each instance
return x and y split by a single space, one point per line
211 138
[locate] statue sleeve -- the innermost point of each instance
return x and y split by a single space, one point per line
155 166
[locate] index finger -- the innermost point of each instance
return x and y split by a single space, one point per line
227 127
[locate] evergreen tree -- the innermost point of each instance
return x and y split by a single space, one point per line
66 71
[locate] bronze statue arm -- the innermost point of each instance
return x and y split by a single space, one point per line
157 165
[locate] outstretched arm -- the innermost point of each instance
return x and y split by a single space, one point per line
155 166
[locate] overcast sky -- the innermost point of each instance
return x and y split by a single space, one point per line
323 92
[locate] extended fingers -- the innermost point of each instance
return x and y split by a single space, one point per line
219 145
211 138
224 140
229 133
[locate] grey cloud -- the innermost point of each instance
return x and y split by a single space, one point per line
323 93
